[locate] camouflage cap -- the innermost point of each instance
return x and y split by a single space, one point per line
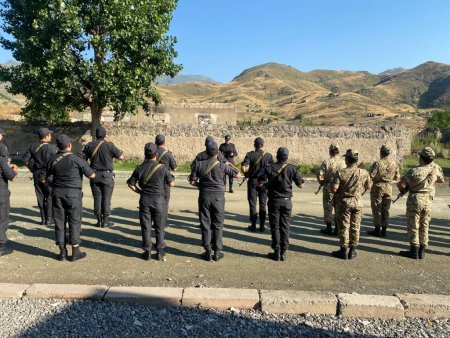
333 147
427 153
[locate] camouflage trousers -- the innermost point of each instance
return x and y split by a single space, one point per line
381 203
418 216
349 224
328 205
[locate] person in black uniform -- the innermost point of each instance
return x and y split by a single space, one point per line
36 159
8 172
210 177
277 178
150 180
68 170
229 151
203 156
165 157
254 162
100 154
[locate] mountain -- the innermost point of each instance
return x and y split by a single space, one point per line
393 71
167 80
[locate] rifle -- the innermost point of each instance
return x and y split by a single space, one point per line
401 194
320 188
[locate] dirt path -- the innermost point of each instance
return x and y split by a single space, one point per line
113 254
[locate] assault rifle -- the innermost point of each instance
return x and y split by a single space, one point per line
320 188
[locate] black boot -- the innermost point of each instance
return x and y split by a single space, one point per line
275 255
341 253
146 255
262 226
62 253
161 255
412 253
106 222
218 255
231 189
77 254
207 256
5 250
422 251
252 227
50 222
352 253
283 256
328 230
383 232
99 223
376 232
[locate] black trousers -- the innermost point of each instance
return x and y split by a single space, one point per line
153 210
254 196
102 187
211 213
44 198
230 178
4 216
67 203
280 220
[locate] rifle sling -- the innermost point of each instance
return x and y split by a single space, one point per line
151 173
279 171
211 167
96 149
162 156
55 162
253 167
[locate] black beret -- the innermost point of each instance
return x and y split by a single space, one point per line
160 139
100 132
43 132
63 140
150 149
212 148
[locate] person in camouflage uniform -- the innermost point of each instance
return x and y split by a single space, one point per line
383 172
348 185
419 182
324 176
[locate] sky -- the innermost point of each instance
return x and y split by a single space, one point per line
221 38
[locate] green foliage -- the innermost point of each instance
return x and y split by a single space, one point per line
87 54
273 113
130 165
412 161
308 169
439 119
299 117
441 149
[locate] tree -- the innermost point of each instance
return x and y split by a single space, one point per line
78 54
440 120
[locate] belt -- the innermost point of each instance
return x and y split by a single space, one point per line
103 170
419 192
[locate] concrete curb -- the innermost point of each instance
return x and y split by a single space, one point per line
271 301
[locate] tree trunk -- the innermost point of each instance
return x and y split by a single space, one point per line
96 114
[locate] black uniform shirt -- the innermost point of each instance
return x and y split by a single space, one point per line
229 151
103 159
251 158
69 171
7 174
40 153
203 156
214 181
280 186
156 186
167 159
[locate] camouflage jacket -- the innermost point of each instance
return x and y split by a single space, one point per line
330 167
421 179
382 173
350 183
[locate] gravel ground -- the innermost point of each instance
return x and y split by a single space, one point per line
52 318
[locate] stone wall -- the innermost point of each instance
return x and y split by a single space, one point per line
306 144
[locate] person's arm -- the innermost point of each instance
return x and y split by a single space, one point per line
26 158
374 170
335 182
232 172
9 172
320 174
439 175
368 182
235 152
245 165
172 163
132 182
117 153
402 185
298 180
193 177
85 168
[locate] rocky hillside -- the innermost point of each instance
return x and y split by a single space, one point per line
280 93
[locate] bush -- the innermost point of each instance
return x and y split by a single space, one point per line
439 119
441 149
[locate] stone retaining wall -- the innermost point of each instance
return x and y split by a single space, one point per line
306 144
